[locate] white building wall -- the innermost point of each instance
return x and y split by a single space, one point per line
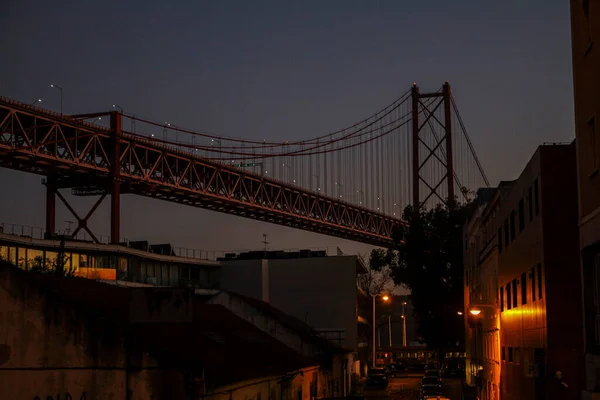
318 290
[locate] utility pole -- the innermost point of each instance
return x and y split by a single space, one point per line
264 241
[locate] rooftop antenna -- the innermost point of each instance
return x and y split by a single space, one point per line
264 241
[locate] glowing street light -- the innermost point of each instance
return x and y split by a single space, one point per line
384 297
35 102
476 308
119 107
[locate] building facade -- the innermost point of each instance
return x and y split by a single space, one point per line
538 258
318 289
482 341
585 37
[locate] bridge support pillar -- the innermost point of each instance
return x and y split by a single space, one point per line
50 209
115 178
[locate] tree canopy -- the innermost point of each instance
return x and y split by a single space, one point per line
427 259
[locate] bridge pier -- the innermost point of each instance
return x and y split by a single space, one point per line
50 209
115 178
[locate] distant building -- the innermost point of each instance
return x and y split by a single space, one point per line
537 242
318 289
585 39
79 338
142 263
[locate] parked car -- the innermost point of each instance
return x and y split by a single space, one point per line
377 377
435 373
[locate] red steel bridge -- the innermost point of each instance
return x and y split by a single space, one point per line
353 183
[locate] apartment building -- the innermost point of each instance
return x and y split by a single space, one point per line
482 342
585 38
538 266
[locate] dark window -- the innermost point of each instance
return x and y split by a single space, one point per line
510 354
512 226
530 203
539 273
500 240
506 232
501 299
503 353
536 197
524 288
521 215
508 298
532 275
514 293
467 278
593 145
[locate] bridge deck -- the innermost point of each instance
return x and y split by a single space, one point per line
81 155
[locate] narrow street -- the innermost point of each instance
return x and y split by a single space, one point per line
407 388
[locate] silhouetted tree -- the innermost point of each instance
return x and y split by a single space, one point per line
378 278
427 259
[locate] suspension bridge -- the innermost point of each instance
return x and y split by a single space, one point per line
352 183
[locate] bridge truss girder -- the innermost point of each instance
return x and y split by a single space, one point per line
88 157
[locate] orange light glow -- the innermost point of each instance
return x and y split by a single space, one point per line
475 311
385 297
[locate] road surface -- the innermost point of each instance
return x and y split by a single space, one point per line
407 388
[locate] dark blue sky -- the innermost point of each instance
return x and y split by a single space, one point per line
282 69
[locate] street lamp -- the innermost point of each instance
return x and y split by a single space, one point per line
61 96
119 107
35 102
476 309
403 325
384 297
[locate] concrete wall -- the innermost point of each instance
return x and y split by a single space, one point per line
263 322
49 349
243 277
295 387
320 290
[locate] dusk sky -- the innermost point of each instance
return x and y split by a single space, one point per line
283 70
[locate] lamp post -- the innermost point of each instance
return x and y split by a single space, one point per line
403 325
384 297
61 96
35 102
118 107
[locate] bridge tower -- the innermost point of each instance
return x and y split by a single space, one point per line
442 145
